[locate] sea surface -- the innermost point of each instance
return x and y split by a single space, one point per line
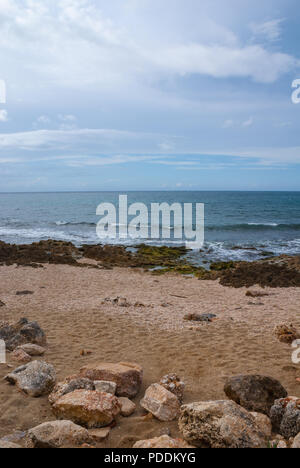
238 225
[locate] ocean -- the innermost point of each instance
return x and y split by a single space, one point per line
238 225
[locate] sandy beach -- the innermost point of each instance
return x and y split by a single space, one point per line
73 307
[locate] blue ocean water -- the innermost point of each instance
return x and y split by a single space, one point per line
238 225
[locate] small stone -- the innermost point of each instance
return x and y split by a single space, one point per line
24 293
200 318
91 409
57 434
20 356
106 387
127 407
296 442
174 384
162 442
2 304
99 435
32 349
35 379
286 333
282 445
163 404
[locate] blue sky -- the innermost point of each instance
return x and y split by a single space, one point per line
149 94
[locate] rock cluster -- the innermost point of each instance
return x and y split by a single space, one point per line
22 332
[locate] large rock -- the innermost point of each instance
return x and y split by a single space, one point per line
127 376
174 384
35 379
162 442
285 417
296 443
220 424
254 392
88 408
57 434
21 333
163 404
69 386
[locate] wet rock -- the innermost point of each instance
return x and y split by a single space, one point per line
106 387
57 434
162 442
20 356
285 417
163 404
254 392
127 376
296 442
174 384
286 333
91 409
69 386
32 349
21 333
35 379
127 407
220 424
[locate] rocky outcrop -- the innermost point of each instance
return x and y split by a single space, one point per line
35 379
21 333
174 384
285 417
163 442
254 392
127 407
127 376
286 333
163 404
57 434
91 409
220 424
69 386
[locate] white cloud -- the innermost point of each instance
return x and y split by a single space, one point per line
269 30
228 124
3 116
248 123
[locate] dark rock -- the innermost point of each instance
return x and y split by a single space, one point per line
22 332
24 293
285 417
254 392
2 304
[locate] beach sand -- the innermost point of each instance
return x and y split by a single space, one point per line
69 304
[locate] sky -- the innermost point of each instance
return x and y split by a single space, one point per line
149 95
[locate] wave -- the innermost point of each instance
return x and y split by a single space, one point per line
68 223
253 226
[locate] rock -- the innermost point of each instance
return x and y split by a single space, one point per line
173 383
20 356
162 442
286 333
24 293
15 437
99 435
35 379
127 376
163 404
254 392
2 304
296 443
32 349
57 434
8 445
21 333
127 407
106 387
282 445
69 386
91 409
220 424
285 417
200 318
263 423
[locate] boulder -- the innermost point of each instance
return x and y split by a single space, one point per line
296 443
91 409
127 407
254 392
57 434
174 384
106 387
127 376
69 386
286 333
35 379
285 417
162 442
32 349
220 424
21 333
19 355
163 404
